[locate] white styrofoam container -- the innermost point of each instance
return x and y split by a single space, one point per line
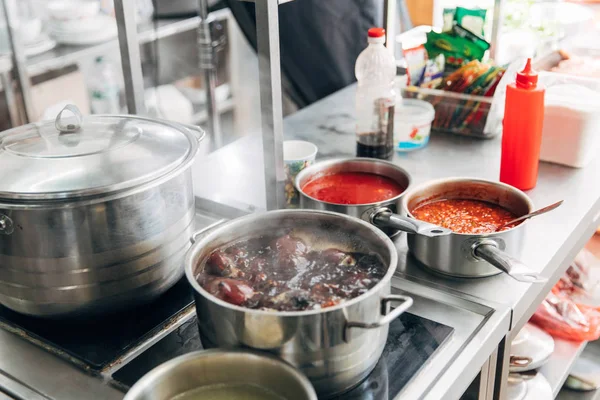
571 133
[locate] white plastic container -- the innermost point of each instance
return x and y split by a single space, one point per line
412 124
571 133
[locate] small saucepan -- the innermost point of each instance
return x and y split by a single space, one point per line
471 255
440 249
383 214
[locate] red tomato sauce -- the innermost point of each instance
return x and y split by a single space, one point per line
465 216
352 188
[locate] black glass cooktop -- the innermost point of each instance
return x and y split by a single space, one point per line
411 342
98 344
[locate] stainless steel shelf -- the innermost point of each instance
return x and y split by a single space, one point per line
591 353
201 114
557 369
568 394
64 55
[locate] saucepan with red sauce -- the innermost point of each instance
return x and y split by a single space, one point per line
313 287
474 211
365 188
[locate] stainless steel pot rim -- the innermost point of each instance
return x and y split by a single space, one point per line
101 197
156 373
333 161
189 265
408 194
10 199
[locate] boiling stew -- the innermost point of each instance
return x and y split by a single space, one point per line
464 216
281 272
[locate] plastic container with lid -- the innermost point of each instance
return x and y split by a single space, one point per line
412 124
571 120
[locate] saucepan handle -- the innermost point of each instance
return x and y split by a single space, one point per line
196 235
383 217
387 315
489 251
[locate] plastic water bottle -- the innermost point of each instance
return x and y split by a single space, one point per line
104 88
375 71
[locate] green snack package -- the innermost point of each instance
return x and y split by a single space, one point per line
461 31
455 49
471 19
448 19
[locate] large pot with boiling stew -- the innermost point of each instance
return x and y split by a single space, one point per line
312 287
96 213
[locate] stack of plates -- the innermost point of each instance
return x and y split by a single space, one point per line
79 22
40 45
530 349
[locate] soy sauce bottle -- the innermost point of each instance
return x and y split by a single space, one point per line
380 142
375 72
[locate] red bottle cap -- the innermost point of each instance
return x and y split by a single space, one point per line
376 32
527 79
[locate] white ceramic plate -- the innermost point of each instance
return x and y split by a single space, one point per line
72 9
40 46
79 25
534 343
100 36
516 390
538 388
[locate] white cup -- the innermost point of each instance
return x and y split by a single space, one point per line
297 155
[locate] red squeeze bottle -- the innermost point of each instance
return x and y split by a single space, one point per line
522 130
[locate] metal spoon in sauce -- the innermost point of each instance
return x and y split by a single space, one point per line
531 214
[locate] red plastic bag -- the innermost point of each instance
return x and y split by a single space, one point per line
572 309
561 317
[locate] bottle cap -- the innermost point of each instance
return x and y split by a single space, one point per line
527 79
376 32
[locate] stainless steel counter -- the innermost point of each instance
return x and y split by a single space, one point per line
482 311
551 241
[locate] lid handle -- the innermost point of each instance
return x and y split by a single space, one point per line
63 126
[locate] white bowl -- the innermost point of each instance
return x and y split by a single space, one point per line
82 25
29 30
72 9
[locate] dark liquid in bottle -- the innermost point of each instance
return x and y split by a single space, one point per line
370 146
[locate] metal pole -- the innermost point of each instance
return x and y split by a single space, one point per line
496 26
130 56
389 23
207 58
11 102
267 33
19 58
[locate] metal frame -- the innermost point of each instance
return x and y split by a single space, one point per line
269 67
207 48
130 56
18 58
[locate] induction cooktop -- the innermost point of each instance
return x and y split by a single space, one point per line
123 347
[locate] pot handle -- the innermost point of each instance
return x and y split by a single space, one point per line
388 316
488 250
204 230
196 130
383 217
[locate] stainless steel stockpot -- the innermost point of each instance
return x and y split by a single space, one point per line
470 255
335 347
96 213
214 367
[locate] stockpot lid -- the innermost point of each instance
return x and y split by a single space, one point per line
73 156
